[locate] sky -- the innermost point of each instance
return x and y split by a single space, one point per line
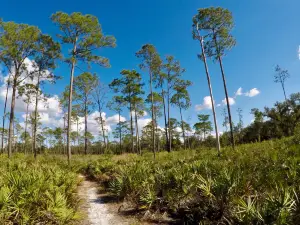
266 33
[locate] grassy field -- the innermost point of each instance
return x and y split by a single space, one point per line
256 184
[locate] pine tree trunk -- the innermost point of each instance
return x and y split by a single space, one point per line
152 109
12 116
182 127
77 132
120 134
102 127
131 127
169 125
35 116
282 84
13 139
156 133
165 117
70 104
226 95
137 132
64 133
4 112
26 122
85 128
211 94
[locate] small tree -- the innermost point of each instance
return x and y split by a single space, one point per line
203 126
130 86
84 85
182 100
281 76
258 121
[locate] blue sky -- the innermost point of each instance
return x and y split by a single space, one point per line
267 33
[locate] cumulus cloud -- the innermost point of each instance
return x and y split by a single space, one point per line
205 105
253 92
230 100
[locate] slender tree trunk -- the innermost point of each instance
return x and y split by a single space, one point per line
35 115
169 125
4 116
156 131
102 126
85 129
188 141
77 132
26 122
226 95
152 109
137 132
211 94
11 118
131 126
182 127
70 103
64 133
283 88
14 139
120 134
165 117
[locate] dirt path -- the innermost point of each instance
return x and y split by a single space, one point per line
99 210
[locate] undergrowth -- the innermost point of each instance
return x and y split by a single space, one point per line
255 184
42 192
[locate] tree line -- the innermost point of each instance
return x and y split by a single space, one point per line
82 35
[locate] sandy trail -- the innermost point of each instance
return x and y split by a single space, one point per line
99 212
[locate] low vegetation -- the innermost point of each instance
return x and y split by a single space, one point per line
257 184
37 192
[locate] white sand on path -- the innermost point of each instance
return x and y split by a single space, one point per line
99 212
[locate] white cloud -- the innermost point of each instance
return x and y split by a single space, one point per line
299 52
205 105
178 129
231 101
239 92
142 122
253 92
112 120
51 105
